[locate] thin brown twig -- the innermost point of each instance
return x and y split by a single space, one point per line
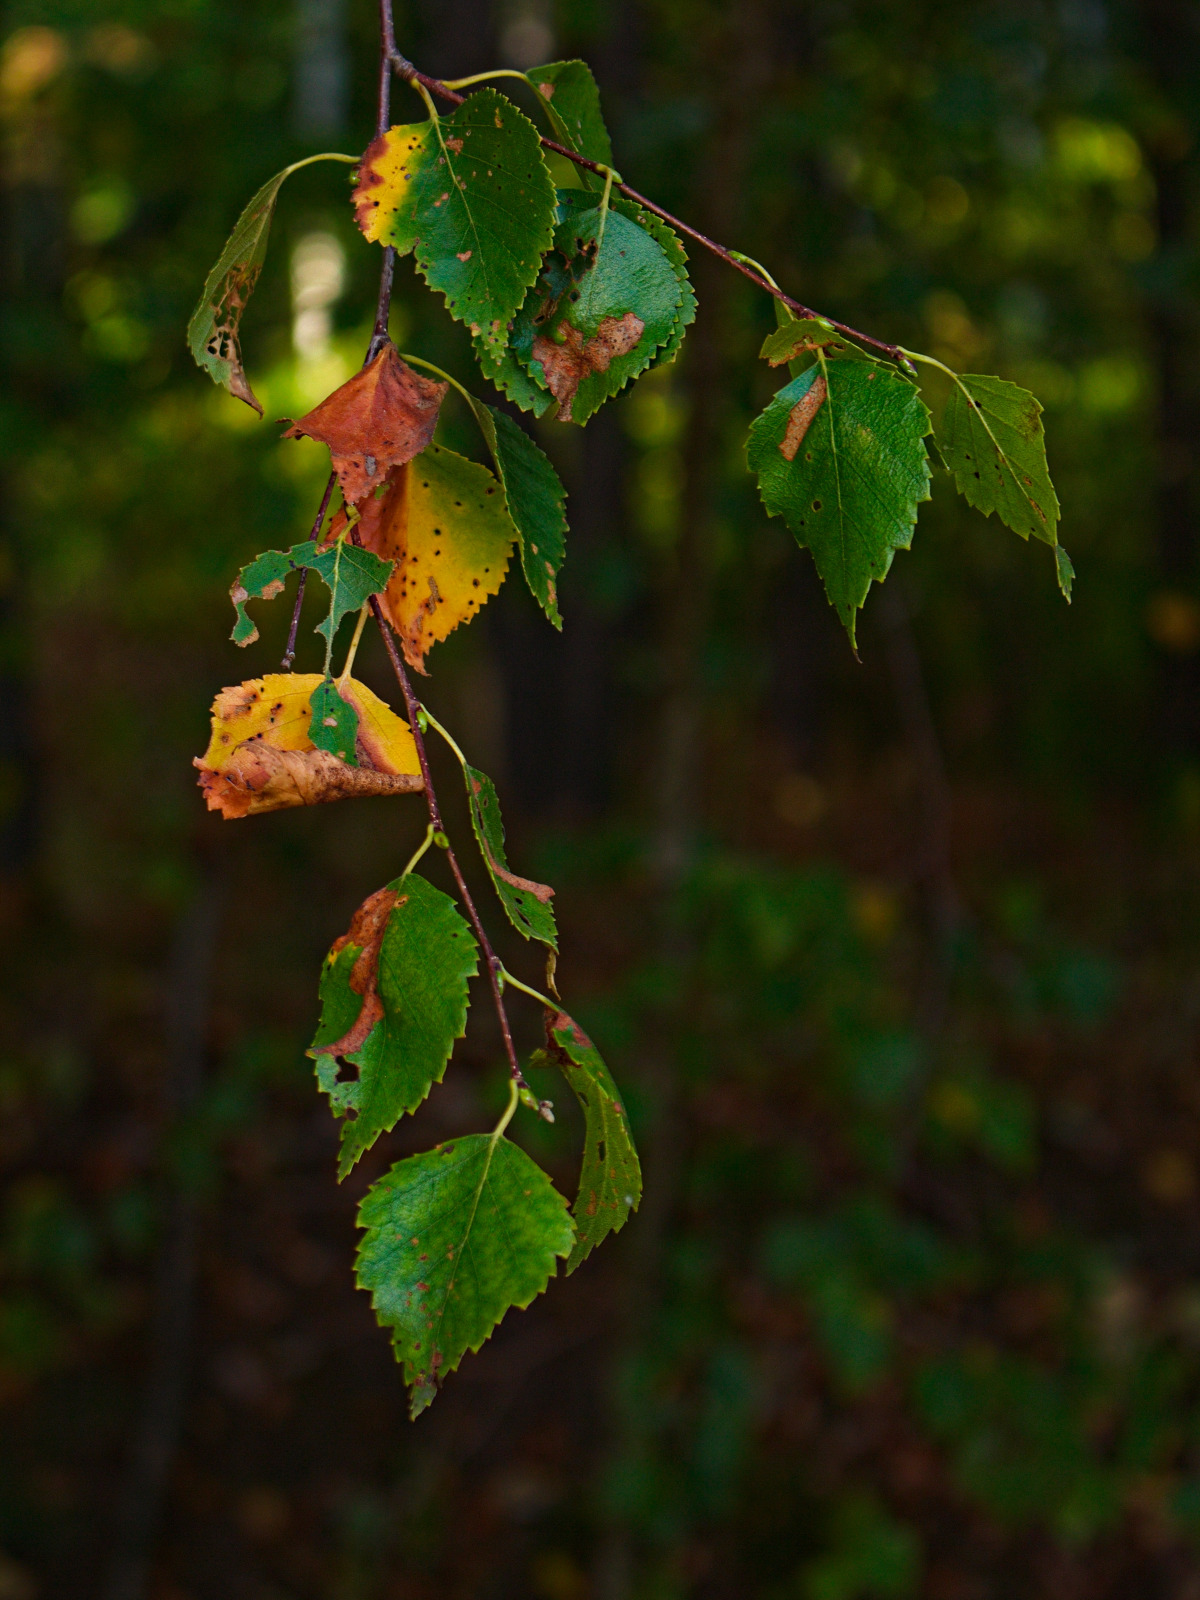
404 68
290 653
387 55
494 965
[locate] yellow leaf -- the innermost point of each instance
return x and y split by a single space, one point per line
260 757
444 521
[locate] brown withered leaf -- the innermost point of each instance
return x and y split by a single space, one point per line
366 931
261 758
382 417
799 418
566 365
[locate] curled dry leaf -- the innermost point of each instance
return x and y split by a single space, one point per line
382 417
799 418
366 931
566 365
261 757
444 522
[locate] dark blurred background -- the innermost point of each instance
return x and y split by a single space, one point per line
896 962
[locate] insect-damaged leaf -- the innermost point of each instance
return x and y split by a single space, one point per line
444 523
351 575
991 439
454 1238
610 1180
846 469
535 498
472 197
393 1001
261 756
606 301
573 106
213 330
380 418
526 903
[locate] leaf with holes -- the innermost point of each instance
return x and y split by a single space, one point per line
840 455
351 575
991 439
378 419
573 106
526 903
262 756
212 333
535 498
606 301
471 197
455 1238
610 1179
444 523
409 955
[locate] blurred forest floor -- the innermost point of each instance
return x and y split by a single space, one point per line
896 962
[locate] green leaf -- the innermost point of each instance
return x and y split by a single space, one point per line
472 198
535 498
606 300
351 574
672 247
262 579
840 455
414 979
610 1179
800 338
526 903
334 723
212 333
991 439
573 105
500 367
1066 571
454 1238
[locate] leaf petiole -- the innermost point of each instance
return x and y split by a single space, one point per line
514 1095
419 851
353 650
486 77
436 725
533 994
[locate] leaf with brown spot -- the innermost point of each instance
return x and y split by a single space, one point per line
471 196
566 365
393 1002
607 300
366 935
380 418
799 418
610 1178
213 330
798 338
445 524
261 756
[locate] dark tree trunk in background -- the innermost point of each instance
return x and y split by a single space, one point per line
1170 41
